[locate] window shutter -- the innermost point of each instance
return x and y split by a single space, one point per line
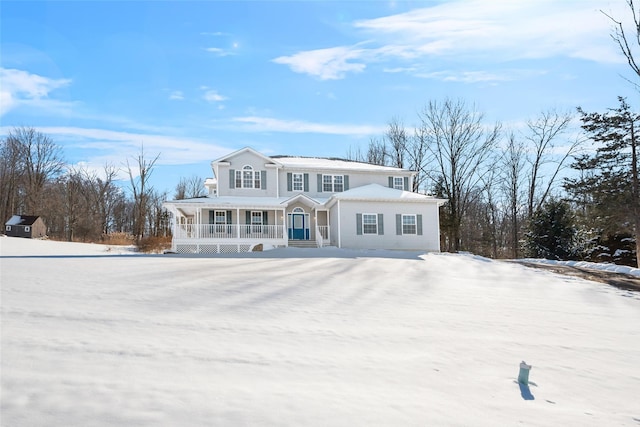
406 183
306 182
359 224
346 182
319 183
229 217
232 178
289 181
390 182
211 217
264 222
247 217
263 180
419 224
380 224
399 224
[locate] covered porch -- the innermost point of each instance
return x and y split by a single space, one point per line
206 228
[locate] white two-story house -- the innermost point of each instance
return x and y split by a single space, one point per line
284 201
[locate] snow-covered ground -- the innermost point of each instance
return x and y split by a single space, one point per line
302 337
590 265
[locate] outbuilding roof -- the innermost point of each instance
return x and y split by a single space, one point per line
22 220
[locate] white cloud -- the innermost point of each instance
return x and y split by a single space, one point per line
268 124
326 64
222 52
176 95
212 95
102 146
480 76
21 87
481 31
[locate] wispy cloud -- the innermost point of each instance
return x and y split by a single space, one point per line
480 76
176 95
212 95
475 31
269 124
326 64
23 88
100 146
221 52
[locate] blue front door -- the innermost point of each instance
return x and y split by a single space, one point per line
298 227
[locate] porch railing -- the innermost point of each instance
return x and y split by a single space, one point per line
229 231
322 234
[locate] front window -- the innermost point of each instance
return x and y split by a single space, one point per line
220 217
369 224
247 178
409 224
398 183
332 183
256 221
298 182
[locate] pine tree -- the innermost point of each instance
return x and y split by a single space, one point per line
607 190
551 232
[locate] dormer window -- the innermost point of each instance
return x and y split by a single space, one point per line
247 178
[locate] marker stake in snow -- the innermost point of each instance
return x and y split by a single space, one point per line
523 376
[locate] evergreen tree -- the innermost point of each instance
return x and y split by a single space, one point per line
551 231
606 191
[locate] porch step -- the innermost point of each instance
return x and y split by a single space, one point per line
303 244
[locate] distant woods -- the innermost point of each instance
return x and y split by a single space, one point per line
503 184
77 204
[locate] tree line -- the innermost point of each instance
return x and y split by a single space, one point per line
77 204
543 191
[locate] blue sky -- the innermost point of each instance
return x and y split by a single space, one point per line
193 81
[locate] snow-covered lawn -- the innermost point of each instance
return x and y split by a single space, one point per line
303 337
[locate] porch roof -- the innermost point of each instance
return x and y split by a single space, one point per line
189 206
376 192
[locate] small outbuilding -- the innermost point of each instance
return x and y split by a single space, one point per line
28 226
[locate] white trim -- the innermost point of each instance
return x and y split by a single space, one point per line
339 227
415 224
375 216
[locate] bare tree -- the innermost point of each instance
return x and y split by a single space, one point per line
417 153
11 176
513 166
547 158
190 188
396 136
377 152
42 161
141 190
461 147
628 42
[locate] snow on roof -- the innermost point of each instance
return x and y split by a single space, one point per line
379 192
232 201
324 163
22 220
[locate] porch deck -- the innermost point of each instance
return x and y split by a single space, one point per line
234 238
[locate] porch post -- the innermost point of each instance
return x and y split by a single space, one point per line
237 223
198 221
